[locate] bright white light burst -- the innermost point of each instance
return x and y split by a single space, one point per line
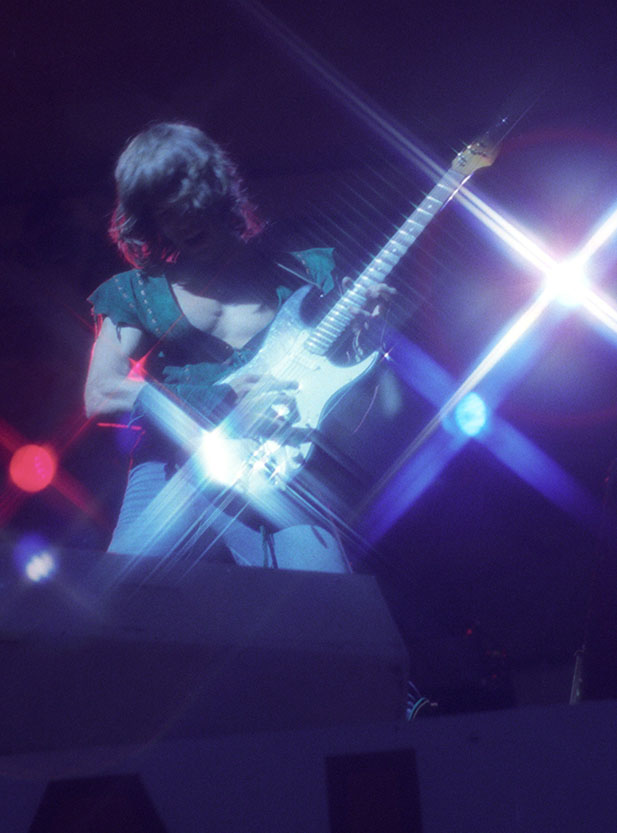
568 283
223 459
40 567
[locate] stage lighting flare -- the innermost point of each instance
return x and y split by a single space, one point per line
34 557
40 566
33 467
471 414
568 283
244 465
223 459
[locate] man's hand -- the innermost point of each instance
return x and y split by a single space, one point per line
379 297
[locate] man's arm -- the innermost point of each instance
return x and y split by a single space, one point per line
109 389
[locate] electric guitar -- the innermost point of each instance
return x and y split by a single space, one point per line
243 454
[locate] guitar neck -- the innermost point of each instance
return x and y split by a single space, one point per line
343 312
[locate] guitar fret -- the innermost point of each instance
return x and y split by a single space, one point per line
383 258
354 297
375 269
406 239
343 315
326 325
318 346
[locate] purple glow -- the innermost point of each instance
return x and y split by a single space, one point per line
538 470
407 484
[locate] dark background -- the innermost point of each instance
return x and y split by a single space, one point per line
489 581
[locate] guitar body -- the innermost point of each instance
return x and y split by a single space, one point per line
320 382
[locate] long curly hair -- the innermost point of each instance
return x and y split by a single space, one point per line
174 165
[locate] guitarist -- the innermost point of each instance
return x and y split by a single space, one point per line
195 305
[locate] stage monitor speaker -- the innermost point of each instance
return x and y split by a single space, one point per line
117 803
112 651
543 769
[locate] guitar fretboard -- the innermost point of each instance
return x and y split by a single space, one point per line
344 311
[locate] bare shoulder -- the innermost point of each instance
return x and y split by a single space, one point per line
120 340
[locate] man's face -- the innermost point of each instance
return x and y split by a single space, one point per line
200 234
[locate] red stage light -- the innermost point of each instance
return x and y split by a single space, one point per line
33 467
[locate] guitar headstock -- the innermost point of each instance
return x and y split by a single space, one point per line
479 154
483 152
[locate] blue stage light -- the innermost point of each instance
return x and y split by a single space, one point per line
471 414
34 557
